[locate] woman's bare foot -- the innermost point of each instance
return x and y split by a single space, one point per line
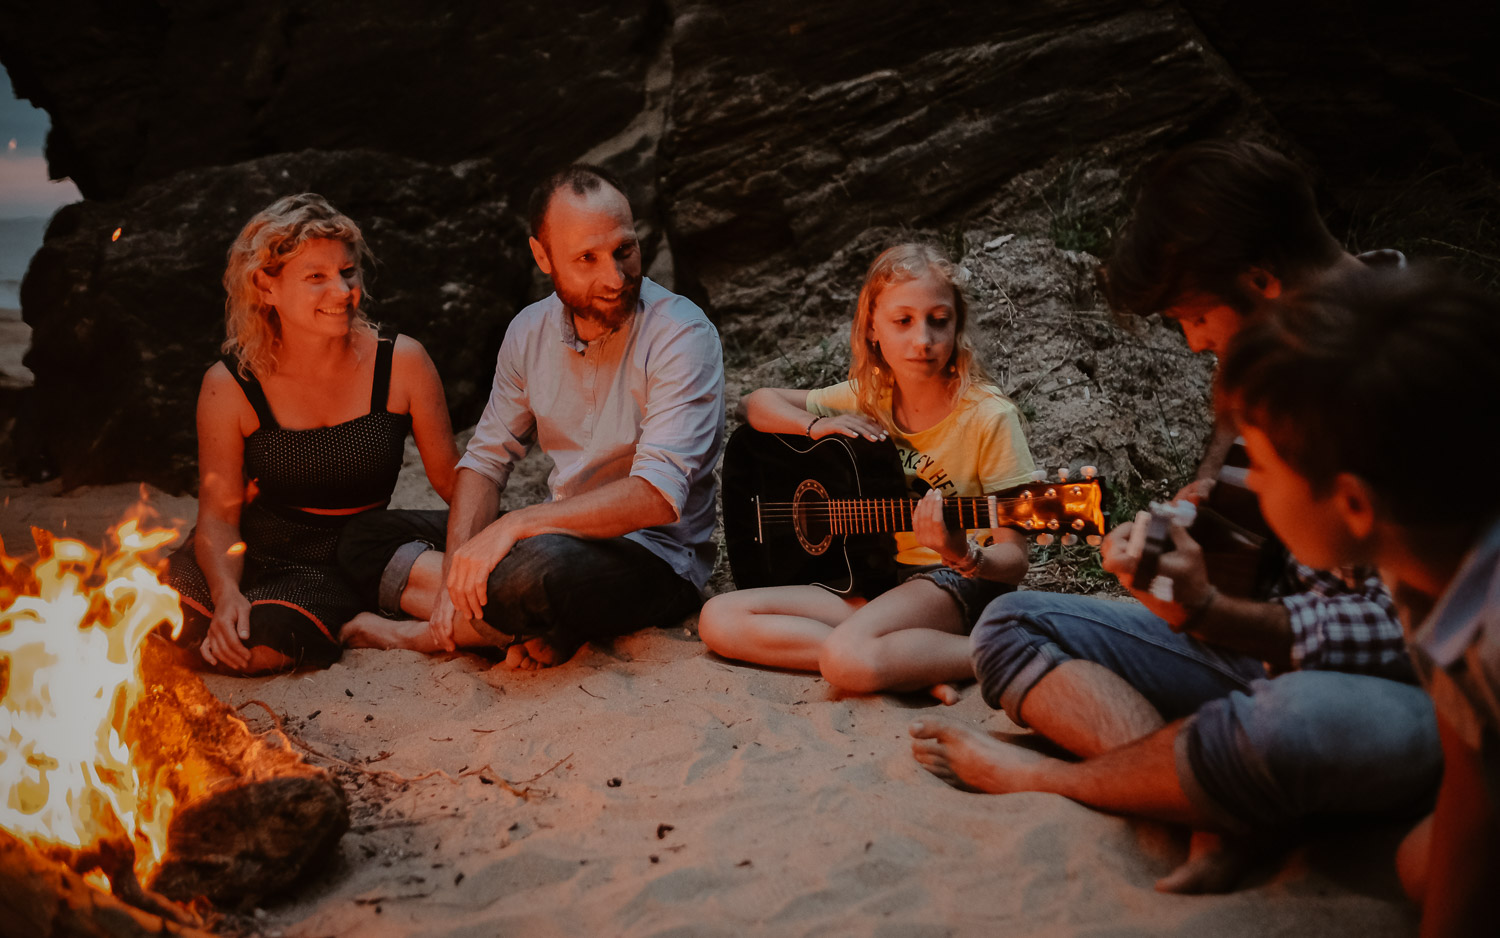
368 630
533 655
946 694
1215 864
971 760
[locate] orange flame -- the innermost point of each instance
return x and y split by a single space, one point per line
71 629
116 235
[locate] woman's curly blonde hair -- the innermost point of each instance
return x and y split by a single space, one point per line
266 243
868 371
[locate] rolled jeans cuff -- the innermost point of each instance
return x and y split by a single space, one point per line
397 573
1185 752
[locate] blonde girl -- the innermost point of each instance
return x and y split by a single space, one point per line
913 379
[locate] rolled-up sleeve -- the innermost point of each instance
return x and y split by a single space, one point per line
683 414
508 427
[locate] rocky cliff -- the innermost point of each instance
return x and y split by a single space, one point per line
771 149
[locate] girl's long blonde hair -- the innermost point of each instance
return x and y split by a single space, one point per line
266 243
868 371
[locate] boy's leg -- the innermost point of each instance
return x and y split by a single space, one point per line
1093 674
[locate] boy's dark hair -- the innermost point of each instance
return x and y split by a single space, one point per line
1390 375
1208 213
582 178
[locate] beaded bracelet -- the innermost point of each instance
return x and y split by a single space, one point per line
969 565
813 422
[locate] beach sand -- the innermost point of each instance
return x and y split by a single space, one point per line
651 788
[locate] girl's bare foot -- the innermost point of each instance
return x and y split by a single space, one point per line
973 761
946 694
368 630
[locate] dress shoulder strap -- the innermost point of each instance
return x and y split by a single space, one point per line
254 393
380 389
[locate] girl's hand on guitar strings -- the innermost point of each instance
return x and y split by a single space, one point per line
932 532
853 425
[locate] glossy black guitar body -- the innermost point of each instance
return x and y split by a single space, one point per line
773 467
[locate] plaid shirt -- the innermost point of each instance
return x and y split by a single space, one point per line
1343 622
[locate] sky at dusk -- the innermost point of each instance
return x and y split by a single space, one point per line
25 190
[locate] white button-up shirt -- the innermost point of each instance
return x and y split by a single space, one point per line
646 400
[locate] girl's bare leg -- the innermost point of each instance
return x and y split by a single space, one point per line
909 638
780 626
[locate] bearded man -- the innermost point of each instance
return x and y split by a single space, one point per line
621 382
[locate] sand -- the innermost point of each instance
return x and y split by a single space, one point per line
651 788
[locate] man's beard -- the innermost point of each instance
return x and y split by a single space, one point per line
613 315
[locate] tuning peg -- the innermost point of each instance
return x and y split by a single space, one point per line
1069 540
1094 540
1053 525
1062 473
1039 475
1078 524
1043 539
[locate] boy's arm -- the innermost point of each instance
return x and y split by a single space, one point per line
1463 874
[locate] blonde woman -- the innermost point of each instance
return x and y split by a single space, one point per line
913 378
301 426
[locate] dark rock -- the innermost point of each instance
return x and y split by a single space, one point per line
139 90
123 330
797 132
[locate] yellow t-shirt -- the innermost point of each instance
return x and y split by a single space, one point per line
977 449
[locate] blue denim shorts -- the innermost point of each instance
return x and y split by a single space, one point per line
971 593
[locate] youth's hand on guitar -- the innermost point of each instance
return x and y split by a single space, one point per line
1184 566
1195 491
852 425
932 532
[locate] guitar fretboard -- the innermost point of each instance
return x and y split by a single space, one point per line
886 515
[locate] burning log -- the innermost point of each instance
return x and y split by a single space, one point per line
251 816
117 763
39 896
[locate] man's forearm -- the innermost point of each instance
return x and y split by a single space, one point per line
1258 629
620 507
476 504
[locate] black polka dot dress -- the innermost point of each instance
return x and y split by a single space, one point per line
298 598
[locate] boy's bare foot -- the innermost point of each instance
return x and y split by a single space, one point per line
971 760
1215 864
368 630
946 694
533 655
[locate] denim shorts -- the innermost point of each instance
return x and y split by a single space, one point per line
971 593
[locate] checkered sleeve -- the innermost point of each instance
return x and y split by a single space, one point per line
1343 623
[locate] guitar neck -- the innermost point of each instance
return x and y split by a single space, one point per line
889 515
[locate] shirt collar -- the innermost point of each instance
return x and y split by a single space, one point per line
568 330
1450 629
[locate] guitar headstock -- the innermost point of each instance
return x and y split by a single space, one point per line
1069 508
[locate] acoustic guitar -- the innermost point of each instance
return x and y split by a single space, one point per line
798 510
1241 555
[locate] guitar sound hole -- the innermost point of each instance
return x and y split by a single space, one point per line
810 517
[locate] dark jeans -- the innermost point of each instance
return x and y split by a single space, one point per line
566 590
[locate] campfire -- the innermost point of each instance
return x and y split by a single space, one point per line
122 779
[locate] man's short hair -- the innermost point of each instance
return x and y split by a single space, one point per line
1390 375
582 178
1205 215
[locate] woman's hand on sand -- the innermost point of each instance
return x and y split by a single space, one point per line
853 425
932 532
228 632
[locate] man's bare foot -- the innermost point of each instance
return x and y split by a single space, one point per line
533 655
1215 864
971 760
368 630
946 694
